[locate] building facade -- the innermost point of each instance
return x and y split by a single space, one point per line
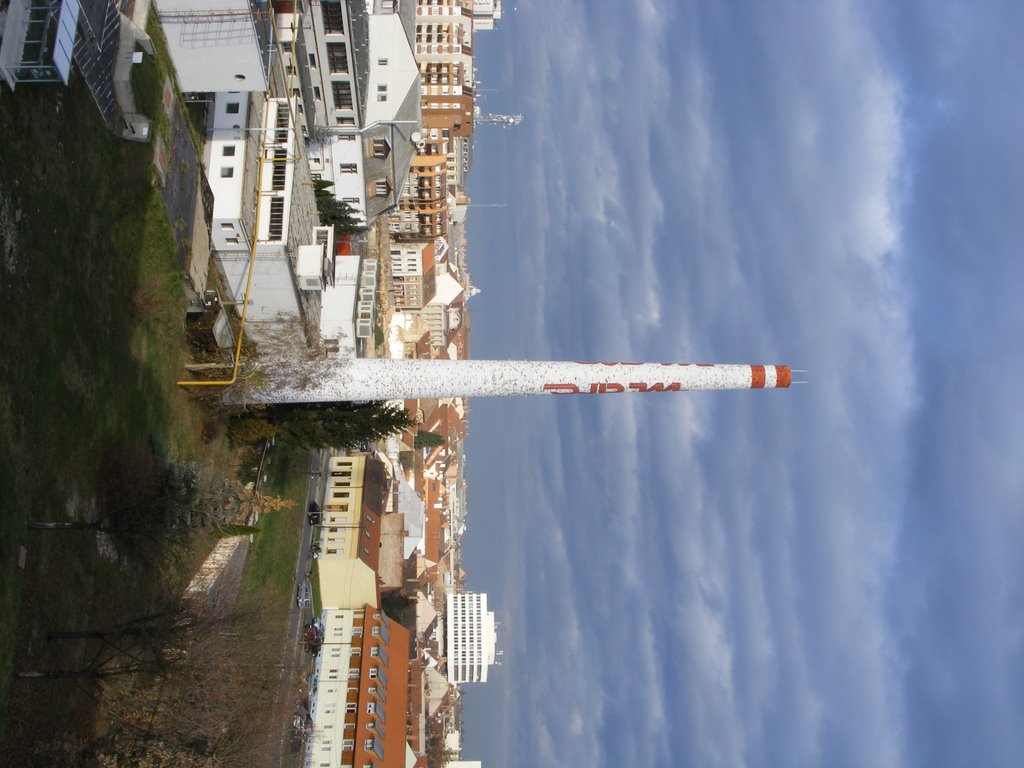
471 637
359 696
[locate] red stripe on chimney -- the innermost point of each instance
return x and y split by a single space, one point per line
757 377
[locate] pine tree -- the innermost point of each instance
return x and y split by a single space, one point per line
319 425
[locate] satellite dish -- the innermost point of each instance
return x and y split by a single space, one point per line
416 137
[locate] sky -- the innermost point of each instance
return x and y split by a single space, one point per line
827 575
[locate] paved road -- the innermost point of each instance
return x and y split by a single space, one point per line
295 662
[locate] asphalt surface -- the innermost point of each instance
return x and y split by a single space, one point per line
295 662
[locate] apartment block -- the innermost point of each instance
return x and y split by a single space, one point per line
471 638
359 696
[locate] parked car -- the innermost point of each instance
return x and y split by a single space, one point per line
303 594
314 513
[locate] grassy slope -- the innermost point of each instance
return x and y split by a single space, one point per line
90 328
270 569
268 580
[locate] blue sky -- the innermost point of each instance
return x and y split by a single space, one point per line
829 575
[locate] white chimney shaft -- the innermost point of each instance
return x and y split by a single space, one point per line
373 379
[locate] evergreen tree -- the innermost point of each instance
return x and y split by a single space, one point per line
318 425
344 218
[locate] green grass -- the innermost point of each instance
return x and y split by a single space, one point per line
148 81
91 312
270 568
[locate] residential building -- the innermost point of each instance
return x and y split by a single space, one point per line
412 274
393 118
447 97
224 156
359 698
357 487
351 281
350 531
470 637
273 299
332 61
486 14
444 33
360 87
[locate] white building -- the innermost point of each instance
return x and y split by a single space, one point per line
360 86
486 13
273 294
224 158
330 69
471 637
218 45
348 303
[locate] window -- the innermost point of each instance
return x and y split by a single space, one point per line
316 93
347 168
229 151
381 148
232 108
342 92
312 60
334 19
337 58
381 188
382 62
227 173
276 218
